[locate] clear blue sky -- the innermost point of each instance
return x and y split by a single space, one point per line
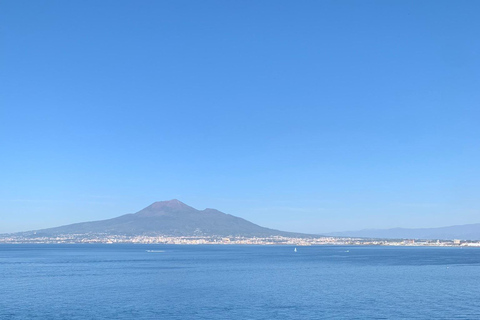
309 116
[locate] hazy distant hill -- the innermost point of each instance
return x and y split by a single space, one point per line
172 218
463 232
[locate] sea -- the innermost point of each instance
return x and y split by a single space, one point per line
129 281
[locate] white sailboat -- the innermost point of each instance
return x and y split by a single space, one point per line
295 250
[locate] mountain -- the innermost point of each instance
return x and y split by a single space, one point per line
462 232
170 218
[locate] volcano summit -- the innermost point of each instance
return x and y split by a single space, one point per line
168 218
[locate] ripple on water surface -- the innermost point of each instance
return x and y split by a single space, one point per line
237 282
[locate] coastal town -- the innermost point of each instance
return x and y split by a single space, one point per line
230 240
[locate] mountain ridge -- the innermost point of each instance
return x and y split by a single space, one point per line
462 232
168 218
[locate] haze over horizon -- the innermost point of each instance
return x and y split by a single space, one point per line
306 117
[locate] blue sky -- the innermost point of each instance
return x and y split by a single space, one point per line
308 116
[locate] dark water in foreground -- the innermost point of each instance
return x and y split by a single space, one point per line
238 282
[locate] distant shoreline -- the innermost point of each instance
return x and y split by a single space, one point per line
231 240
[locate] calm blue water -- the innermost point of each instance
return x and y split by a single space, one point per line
238 282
